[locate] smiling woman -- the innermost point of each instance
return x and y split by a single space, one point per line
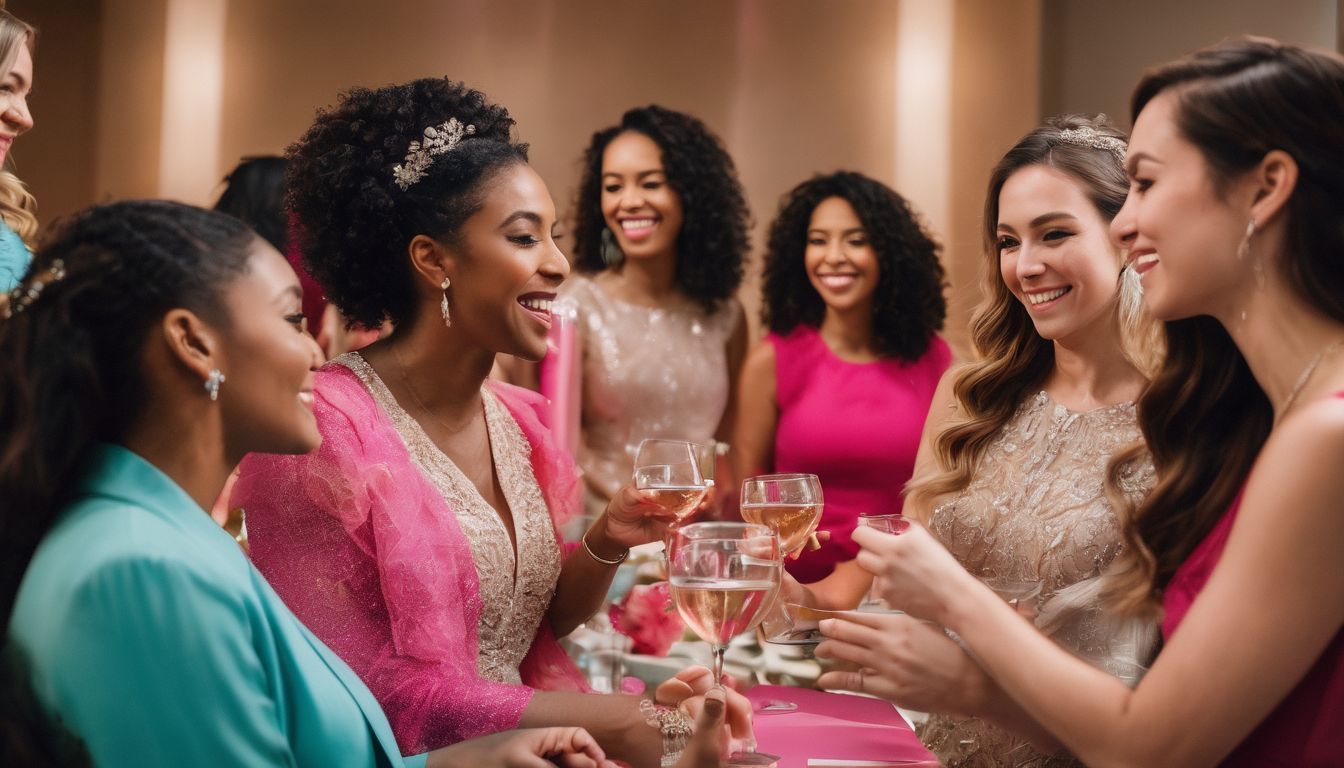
420 539
854 302
18 219
660 238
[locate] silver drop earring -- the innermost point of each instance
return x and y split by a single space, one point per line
443 305
212 383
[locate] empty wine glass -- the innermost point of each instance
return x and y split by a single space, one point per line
789 504
724 576
669 472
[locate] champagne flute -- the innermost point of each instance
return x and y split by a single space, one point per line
724 576
789 504
669 473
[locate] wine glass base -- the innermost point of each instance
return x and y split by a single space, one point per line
748 759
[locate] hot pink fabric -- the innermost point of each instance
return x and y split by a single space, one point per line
369 556
1306 728
856 426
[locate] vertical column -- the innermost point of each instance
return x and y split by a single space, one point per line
193 90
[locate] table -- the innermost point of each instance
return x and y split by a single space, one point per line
830 727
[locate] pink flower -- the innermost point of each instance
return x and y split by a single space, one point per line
645 616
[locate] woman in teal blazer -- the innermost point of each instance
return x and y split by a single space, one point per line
153 345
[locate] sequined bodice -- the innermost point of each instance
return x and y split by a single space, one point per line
647 372
515 591
1034 523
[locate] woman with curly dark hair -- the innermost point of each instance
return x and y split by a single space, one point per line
419 540
854 302
660 237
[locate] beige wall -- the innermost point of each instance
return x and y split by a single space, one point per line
1094 51
922 94
59 158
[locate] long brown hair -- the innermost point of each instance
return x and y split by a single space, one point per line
18 207
1204 415
1012 361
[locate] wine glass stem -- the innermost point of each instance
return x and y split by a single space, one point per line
719 650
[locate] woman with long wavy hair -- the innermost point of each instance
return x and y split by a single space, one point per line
1233 219
1012 474
18 209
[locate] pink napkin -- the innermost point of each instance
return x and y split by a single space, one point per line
832 725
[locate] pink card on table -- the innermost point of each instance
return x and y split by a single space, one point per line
831 730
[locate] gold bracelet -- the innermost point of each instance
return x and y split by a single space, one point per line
675 726
602 560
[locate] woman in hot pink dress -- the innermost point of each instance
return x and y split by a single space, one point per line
841 386
1233 220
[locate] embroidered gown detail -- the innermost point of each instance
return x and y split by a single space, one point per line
1034 524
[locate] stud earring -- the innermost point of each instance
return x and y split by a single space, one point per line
443 305
212 383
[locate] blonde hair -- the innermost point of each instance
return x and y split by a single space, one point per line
18 207
1012 360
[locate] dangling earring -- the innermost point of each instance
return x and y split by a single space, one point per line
212 383
611 252
1244 253
443 305
1131 296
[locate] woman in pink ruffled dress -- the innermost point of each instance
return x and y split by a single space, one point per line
419 540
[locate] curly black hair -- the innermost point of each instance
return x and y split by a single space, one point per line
353 221
908 304
714 238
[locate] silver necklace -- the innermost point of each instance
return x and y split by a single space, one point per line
1305 376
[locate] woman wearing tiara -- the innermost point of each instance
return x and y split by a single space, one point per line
419 541
1233 219
1011 477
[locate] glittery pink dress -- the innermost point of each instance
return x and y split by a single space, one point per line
387 553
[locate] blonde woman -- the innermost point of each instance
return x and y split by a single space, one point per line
18 220
1011 476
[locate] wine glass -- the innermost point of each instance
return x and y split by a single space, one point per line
790 505
723 577
669 472
893 524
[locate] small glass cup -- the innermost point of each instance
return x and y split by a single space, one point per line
893 524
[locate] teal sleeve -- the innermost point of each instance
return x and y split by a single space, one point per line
415 761
14 259
178 679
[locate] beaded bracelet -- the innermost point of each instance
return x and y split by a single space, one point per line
675 726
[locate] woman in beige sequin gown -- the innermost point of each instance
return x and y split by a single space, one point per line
1012 476
661 234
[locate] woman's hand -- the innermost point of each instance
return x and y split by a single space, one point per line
904 660
708 747
632 518
688 689
527 748
915 573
